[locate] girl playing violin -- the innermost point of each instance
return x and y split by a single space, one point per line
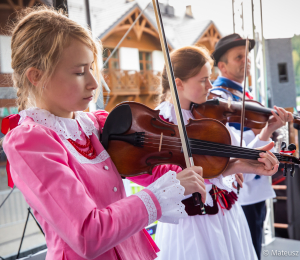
223 231
56 159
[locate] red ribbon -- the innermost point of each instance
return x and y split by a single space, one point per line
220 192
248 95
9 123
291 152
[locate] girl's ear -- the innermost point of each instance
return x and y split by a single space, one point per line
179 84
34 76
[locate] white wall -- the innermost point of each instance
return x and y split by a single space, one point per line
5 54
158 60
129 59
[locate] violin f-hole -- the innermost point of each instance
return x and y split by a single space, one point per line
162 127
158 158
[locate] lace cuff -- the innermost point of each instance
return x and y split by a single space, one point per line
149 204
169 194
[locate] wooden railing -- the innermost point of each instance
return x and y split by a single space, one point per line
131 82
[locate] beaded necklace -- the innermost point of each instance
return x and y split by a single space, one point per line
90 153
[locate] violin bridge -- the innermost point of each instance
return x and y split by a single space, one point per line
160 143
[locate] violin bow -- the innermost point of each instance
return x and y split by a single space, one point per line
243 100
181 126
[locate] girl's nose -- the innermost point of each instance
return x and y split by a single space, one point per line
208 84
92 83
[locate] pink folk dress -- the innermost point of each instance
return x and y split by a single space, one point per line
223 233
80 202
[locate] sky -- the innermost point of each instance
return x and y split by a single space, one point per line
281 18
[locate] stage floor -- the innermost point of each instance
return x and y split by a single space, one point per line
283 249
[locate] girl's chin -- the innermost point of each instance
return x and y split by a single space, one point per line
201 100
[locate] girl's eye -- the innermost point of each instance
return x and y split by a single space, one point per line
91 68
80 74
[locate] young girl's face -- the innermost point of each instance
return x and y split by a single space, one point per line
72 84
196 89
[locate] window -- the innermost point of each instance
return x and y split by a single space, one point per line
145 60
113 62
282 72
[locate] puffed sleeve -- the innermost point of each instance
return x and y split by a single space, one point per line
40 169
100 116
157 172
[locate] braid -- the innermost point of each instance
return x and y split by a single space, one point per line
165 87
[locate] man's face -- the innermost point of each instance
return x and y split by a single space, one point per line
234 68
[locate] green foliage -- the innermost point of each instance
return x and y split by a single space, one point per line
296 61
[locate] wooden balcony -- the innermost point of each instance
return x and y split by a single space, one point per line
131 85
131 82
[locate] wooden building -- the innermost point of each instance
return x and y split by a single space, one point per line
133 73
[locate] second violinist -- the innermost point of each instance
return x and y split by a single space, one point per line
223 230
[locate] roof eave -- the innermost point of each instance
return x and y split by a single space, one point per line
201 34
136 5
106 32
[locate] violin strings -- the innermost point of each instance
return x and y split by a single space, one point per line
206 149
218 145
204 145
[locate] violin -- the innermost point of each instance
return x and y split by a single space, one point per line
137 140
256 115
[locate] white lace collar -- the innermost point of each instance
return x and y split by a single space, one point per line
64 127
168 112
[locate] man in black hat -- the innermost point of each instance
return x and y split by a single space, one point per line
229 56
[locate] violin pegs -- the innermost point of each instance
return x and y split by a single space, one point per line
285 169
292 147
283 146
292 170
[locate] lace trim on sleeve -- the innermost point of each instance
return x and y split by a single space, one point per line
149 204
169 194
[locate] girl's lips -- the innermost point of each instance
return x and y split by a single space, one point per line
89 98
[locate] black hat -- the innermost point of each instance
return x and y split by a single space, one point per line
228 42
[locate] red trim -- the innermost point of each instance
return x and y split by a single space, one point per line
274 182
291 152
9 123
248 95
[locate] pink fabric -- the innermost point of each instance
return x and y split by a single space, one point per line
82 208
157 172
